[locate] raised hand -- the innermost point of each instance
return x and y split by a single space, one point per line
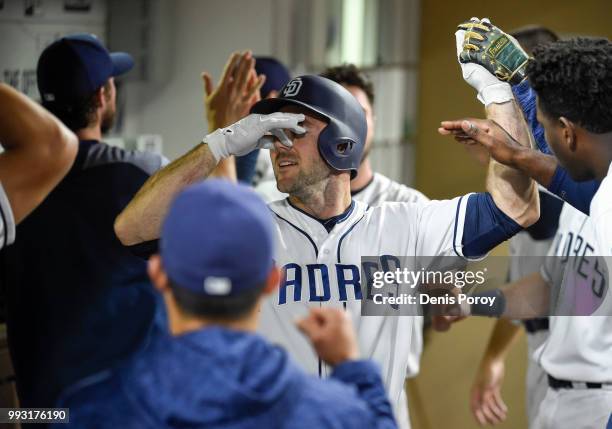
236 93
251 133
486 45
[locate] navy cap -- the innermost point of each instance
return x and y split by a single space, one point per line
277 75
218 239
76 66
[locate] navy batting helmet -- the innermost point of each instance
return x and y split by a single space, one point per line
342 141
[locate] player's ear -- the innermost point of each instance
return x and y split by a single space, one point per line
157 274
569 133
272 281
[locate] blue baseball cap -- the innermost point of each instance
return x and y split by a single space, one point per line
76 66
218 239
277 75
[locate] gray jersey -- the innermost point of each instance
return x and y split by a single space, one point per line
382 189
7 222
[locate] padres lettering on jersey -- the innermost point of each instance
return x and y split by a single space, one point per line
578 347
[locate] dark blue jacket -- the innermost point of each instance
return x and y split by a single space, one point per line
217 378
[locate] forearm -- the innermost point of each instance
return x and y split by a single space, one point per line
513 192
527 298
366 378
141 220
504 335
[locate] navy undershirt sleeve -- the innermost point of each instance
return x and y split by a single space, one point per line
485 226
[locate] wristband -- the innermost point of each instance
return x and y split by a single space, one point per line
216 144
495 94
497 307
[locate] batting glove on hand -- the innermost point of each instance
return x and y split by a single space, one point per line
251 133
489 88
498 52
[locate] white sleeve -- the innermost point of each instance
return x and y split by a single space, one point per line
440 227
603 232
7 222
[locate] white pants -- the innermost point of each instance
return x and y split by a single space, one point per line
536 379
574 409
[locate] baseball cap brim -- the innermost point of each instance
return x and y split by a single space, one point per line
122 63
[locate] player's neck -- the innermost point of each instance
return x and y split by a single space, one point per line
603 150
364 176
324 199
93 132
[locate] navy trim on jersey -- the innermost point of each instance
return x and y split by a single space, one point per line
328 224
5 227
346 233
455 228
302 231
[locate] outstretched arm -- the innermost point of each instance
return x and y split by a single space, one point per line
38 151
141 220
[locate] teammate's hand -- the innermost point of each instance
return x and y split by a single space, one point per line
252 132
490 47
486 402
489 88
237 91
488 133
331 332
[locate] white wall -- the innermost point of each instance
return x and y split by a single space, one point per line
205 33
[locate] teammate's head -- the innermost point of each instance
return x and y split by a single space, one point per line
359 84
216 255
336 129
75 79
534 35
277 75
573 81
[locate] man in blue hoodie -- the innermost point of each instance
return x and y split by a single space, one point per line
215 266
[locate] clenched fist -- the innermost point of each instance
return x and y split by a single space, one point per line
332 335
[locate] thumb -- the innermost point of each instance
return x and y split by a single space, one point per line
208 84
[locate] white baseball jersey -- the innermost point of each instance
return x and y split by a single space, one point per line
579 347
382 189
7 223
322 268
601 212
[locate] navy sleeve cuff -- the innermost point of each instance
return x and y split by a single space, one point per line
485 226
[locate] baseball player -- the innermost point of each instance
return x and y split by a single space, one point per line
38 152
374 188
319 133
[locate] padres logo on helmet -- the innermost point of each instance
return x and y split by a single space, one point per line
342 141
292 88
